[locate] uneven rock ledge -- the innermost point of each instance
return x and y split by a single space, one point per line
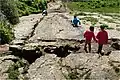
51 46
65 59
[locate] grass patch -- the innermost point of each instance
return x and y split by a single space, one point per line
72 75
104 6
107 27
13 72
110 28
80 14
91 19
109 20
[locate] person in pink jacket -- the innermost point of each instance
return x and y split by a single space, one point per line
102 37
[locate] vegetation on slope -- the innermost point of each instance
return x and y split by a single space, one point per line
8 18
103 6
6 34
11 10
26 7
8 8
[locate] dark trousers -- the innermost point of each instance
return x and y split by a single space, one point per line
100 48
75 25
89 46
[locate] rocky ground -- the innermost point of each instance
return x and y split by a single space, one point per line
50 48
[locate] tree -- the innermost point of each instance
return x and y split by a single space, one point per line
8 8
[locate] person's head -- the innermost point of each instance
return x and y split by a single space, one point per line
91 28
75 16
102 27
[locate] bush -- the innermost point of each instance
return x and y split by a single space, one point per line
26 7
13 72
6 33
10 11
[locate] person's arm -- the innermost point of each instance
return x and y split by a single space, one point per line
98 35
106 37
85 33
94 38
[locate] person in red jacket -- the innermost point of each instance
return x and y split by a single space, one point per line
88 35
102 37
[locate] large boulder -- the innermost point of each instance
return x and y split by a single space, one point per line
55 26
115 56
79 66
89 66
46 67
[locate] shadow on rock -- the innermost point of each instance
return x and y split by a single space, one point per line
27 53
116 45
61 51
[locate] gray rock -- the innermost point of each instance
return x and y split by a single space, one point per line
10 57
75 66
117 25
15 48
116 45
56 27
4 66
89 66
26 25
21 70
46 68
17 42
115 56
118 29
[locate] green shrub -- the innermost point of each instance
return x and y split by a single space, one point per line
6 33
72 75
13 70
104 6
14 75
9 9
105 25
26 7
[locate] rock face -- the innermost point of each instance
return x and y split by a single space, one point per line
46 67
78 66
75 65
26 25
89 66
116 45
28 53
5 63
56 26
